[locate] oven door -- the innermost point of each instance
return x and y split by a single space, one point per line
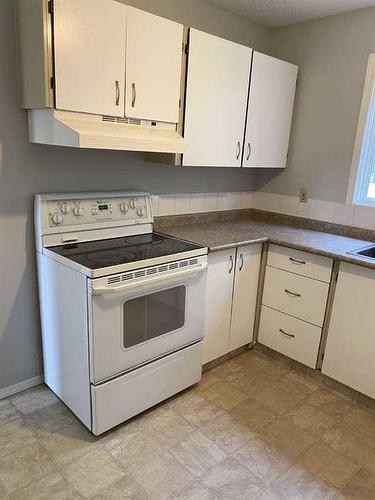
135 322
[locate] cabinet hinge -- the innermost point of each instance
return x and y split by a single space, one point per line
52 82
187 49
50 7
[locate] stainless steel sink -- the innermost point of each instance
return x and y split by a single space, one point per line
368 252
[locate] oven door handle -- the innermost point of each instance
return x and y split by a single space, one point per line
103 290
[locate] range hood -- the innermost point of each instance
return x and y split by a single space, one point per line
80 130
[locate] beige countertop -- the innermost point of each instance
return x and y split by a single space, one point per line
219 235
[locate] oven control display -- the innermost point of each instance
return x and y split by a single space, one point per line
103 207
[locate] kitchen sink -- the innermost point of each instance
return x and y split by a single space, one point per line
368 252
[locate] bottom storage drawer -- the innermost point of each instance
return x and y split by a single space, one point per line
290 336
118 400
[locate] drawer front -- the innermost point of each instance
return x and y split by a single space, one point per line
290 336
295 261
296 295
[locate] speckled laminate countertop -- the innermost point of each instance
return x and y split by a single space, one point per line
219 235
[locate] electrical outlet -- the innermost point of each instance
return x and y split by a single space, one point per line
303 195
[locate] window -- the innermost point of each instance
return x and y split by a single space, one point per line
362 180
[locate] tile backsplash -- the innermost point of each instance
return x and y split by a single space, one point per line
338 213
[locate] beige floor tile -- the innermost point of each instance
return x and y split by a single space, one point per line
163 477
196 409
198 454
313 420
125 489
255 414
299 484
298 385
51 487
290 439
69 442
49 418
362 485
231 480
226 369
208 378
270 494
7 411
352 442
250 383
14 435
34 399
224 395
167 427
330 402
277 399
196 492
227 432
133 448
92 472
328 465
360 418
263 460
25 466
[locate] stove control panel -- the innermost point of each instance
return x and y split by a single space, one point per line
133 209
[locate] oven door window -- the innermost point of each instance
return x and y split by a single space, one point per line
153 315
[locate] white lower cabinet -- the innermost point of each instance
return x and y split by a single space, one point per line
290 336
232 285
350 350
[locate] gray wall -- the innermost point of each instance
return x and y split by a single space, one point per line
332 54
28 168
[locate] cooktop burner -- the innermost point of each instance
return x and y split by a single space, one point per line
115 251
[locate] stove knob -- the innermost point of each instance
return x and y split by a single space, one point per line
57 219
140 212
132 204
78 211
65 208
124 207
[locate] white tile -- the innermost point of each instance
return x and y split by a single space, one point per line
324 210
274 202
289 205
210 202
343 214
364 217
246 199
183 203
155 205
222 201
167 204
234 201
307 209
260 200
197 202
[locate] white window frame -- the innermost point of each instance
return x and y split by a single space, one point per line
364 147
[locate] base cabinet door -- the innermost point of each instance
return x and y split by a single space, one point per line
245 295
220 276
350 350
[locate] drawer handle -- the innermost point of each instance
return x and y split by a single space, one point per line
242 262
231 264
292 293
296 261
287 334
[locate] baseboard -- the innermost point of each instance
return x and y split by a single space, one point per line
21 386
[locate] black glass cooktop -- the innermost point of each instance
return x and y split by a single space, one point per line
115 251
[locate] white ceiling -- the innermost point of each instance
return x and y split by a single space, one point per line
275 13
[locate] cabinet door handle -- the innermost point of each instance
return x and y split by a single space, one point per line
248 151
241 265
287 334
134 91
296 261
292 293
231 263
117 83
238 150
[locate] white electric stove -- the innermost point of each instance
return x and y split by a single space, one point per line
122 307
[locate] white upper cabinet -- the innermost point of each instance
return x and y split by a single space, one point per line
270 109
89 52
216 99
153 67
